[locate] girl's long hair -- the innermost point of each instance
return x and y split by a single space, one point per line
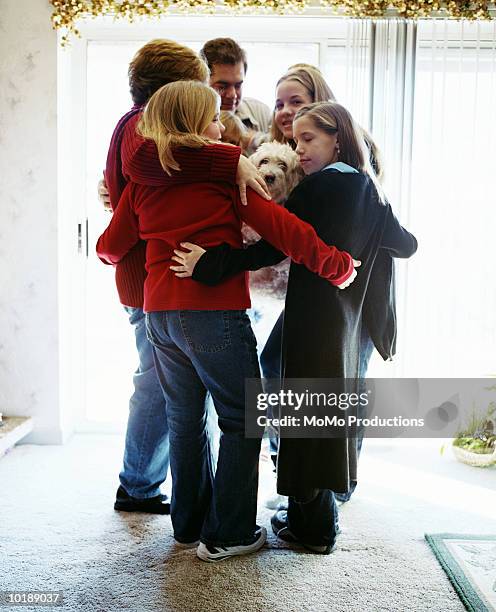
312 80
333 118
317 88
176 116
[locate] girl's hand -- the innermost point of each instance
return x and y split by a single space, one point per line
187 260
350 279
248 176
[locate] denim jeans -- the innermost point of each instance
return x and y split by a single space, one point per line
196 352
146 452
270 364
366 349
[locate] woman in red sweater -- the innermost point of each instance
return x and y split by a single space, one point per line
201 335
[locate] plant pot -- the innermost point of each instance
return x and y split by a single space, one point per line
475 459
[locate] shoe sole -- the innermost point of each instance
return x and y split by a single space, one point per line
204 554
124 507
320 550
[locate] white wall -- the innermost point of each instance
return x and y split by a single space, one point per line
29 340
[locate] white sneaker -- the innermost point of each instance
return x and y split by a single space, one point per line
207 552
272 503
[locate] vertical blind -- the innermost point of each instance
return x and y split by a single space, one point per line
451 294
431 91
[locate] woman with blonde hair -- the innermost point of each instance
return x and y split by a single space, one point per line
201 336
343 200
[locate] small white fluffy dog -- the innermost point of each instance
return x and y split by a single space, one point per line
278 164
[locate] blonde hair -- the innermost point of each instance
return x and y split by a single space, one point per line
236 132
159 62
333 118
312 80
177 116
304 66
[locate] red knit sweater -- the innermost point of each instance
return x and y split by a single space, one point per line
218 163
206 214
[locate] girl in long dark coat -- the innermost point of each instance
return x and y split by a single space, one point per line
343 200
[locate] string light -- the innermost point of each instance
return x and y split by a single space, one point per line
67 12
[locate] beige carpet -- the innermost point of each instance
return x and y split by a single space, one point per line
58 531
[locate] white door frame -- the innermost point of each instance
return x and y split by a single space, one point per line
327 32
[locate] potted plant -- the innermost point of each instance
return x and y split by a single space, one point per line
476 444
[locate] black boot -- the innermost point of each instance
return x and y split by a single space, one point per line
154 505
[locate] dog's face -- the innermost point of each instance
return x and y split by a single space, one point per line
278 164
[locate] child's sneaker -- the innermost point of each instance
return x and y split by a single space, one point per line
207 552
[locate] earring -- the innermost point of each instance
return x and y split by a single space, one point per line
337 151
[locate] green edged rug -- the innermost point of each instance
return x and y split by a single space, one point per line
470 562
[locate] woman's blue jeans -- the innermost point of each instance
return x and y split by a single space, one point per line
198 351
146 453
270 364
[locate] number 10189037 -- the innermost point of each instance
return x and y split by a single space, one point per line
31 598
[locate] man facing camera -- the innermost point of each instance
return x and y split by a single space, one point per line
228 65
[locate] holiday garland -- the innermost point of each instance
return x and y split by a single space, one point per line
67 12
